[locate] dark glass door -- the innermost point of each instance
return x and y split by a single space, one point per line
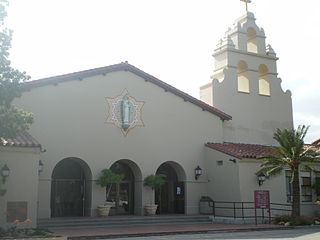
179 197
68 198
121 195
170 197
68 189
121 198
162 199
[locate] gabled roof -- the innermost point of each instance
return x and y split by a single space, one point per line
127 67
22 140
241 150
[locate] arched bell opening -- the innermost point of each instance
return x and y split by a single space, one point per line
252 40
242 75
264 84
171 196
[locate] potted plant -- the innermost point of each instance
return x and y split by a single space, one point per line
154 182
106 179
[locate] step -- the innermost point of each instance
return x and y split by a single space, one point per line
119 221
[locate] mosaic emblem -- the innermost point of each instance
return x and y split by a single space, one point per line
125 112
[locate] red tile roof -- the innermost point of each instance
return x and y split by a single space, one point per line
313 146
22 140
241 150
316 142
127 67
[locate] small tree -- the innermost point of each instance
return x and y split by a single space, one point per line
155 182
13 120
107 178
291 153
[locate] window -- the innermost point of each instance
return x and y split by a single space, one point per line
243 81
316 186
220 163
306 189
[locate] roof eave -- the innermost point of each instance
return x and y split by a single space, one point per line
127 67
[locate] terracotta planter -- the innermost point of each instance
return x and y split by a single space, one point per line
103 210
150 209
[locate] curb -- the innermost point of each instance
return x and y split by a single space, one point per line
177 232
307 226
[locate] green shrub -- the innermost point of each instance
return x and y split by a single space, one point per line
155 181
294 221
15 232
2 232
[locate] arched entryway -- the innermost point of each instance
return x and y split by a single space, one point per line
126 195
171 197
71 189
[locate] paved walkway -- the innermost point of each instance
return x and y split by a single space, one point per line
144 230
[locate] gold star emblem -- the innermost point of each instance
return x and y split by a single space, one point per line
124 112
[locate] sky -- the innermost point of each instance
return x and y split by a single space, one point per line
172 40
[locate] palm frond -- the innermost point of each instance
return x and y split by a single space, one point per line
290 153
271 170
311 169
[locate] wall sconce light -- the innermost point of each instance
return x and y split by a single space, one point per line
197 172
261 178
40 167
233 160
5 172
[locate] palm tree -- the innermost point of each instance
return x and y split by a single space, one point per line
292 153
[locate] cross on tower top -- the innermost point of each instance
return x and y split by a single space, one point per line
246 1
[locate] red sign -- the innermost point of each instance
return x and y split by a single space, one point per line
261 199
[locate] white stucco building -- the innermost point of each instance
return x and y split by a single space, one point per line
122 118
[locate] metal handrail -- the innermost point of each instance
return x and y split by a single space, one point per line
240 209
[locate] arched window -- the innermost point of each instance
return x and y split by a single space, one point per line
252 40
264 85
243 81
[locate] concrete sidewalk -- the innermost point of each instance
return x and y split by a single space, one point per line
143 230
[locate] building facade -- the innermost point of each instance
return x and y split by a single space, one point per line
122 118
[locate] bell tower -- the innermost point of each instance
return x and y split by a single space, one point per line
245 84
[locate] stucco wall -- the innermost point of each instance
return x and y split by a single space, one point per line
70 122
254 117
22 183
248 182
206 94
223 180
276 185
